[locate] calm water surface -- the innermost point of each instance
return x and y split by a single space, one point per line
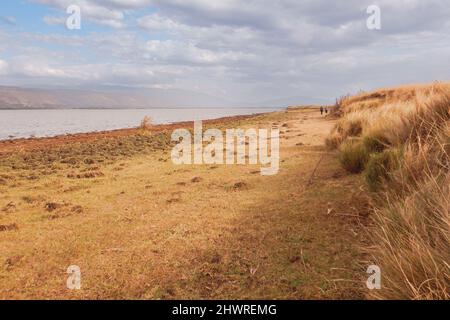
44 123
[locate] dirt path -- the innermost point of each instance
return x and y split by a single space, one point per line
147 229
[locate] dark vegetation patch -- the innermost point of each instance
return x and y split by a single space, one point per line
8 227
82 159
61 210
237 186
10 207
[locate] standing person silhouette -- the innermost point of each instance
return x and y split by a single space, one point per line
321 110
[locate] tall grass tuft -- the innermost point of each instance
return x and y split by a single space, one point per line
380 166
353 155
146 123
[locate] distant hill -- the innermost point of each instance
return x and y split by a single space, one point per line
25 98
120 98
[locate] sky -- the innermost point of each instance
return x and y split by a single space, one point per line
236 50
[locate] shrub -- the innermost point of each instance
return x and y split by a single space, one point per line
353 155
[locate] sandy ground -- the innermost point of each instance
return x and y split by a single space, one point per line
140 227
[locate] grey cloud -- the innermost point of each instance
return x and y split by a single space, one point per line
246 50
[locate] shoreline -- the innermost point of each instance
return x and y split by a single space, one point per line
68 129
134 108
8 146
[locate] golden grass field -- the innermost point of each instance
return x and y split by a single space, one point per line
140 227
368 184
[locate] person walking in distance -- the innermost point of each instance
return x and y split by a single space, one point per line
321 110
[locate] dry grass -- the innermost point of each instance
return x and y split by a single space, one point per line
406 131
395 115
146 123
353 155
147 229
380 166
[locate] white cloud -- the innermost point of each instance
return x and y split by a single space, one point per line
53 21
181 53
99 12
156 22
244 49
3 67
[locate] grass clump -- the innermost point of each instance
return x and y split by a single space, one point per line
380 166
353 155
375 143
333 141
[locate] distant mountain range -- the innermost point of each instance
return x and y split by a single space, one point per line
24 98
122 98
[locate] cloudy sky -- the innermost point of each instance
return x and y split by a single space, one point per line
238 50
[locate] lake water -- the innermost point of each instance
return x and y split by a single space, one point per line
45 123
